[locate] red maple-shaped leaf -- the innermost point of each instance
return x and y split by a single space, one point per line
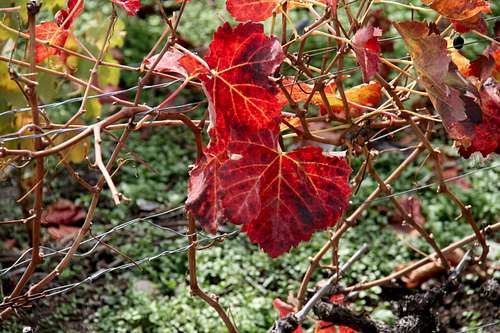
241 95
65 17
282 198
131 6
54 35
367 49
204 190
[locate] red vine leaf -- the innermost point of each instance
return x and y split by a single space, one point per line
474 23
240 93
131 6
282 198
367 49
54 34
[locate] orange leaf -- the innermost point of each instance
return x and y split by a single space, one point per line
52 33
458 9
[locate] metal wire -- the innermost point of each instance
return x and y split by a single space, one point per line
22 300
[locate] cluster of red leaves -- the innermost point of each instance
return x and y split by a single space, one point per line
285 309
469 109
280 198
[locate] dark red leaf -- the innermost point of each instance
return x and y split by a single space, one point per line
282 198
131 6
367 49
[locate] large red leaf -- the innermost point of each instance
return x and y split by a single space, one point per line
367 49
242 97
54 34
282 198
131 6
